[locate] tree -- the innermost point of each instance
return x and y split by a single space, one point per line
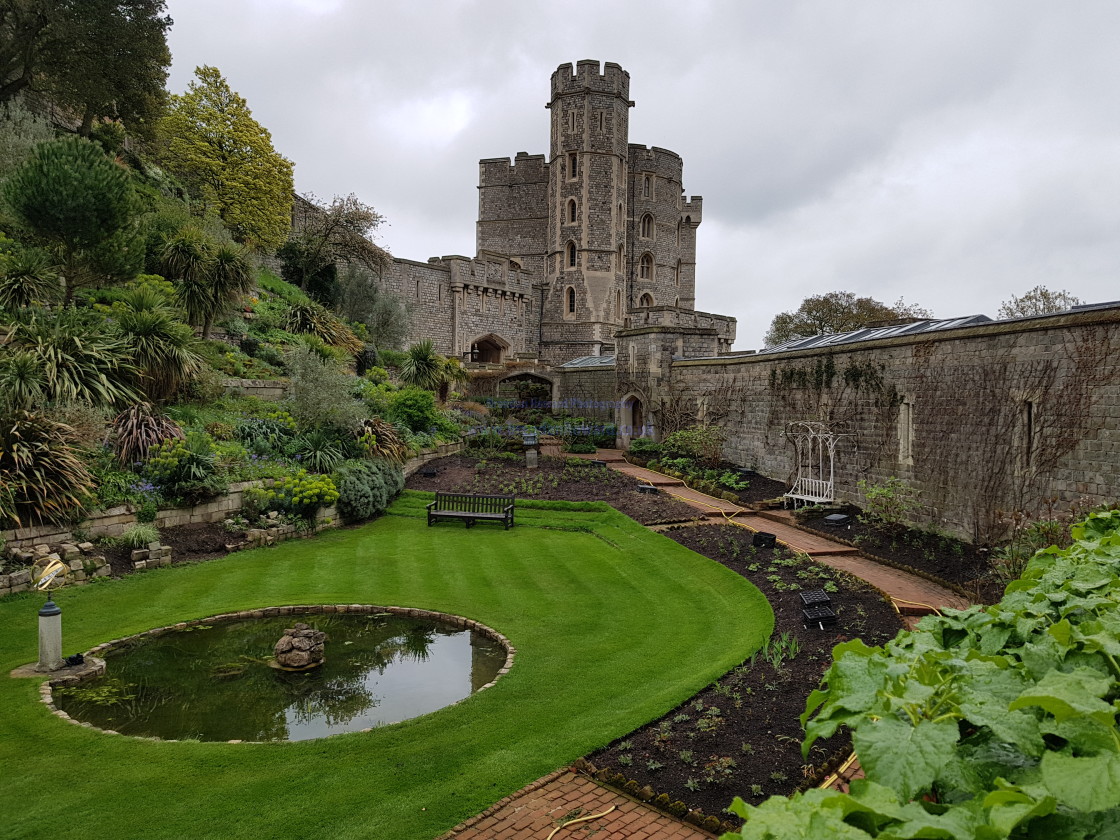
210 276
1038 301
836 312
328 234
361 299
102 58
210 140
76 202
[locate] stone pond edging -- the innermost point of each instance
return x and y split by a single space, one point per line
96 664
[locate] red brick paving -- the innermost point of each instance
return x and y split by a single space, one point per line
534 812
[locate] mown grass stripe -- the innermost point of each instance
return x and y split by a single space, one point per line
607 639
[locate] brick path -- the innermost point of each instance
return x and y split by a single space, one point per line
535 811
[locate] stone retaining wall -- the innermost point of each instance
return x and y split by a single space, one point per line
115 521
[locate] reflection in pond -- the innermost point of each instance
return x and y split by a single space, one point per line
214 683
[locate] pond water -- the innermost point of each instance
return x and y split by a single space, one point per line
214 683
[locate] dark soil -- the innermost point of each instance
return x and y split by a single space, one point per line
553 479
944 557
742 736
189 543
760 487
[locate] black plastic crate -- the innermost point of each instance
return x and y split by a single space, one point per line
647 488
820 616
763 539
815 597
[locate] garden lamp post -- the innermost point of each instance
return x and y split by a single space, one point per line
50 616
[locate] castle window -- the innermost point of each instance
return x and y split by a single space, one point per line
418 290
645 187
647 226
645 267
676 301
645 300
571 255
571 300
906 431
572 120
618 305
621 265
602 119
678 234
573 165
677 273
572 210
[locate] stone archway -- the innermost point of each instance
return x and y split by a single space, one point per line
489 349
528 391
633 421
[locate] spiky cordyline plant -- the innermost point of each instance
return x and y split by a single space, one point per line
161 344
28 277
76 359
380 440
316 320
41 479
137 429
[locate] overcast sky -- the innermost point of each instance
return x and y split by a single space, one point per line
951 153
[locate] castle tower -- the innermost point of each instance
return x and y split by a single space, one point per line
661 233
586 293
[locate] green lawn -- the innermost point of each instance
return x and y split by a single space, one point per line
614 625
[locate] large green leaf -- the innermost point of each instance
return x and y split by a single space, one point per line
1087 784
903 757
1064 695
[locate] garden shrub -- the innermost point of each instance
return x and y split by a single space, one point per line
414 407
319 394
887 504
366 487
319 450
644 448
41 477
186 469
702 443
299 495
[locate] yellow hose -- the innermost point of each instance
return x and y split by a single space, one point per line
839 774
581 819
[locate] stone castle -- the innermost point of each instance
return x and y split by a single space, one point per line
586 265
569 244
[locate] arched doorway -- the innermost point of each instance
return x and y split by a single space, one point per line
489 350
632 420
527 391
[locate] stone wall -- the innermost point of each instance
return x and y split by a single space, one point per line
115 521
978 421
273 390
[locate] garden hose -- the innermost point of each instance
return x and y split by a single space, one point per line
581 819
839 774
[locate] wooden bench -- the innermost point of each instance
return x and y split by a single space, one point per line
470 508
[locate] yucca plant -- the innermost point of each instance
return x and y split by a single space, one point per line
78 360
316 320
379 439
162 346
41 479
28 277
317 450
423 366
139 428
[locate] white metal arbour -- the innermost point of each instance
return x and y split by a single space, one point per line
816 462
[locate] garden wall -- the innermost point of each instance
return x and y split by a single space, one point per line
267 389
114 521
979 421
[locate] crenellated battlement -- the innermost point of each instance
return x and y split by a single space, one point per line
661 162
587 78
693 209
523 169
